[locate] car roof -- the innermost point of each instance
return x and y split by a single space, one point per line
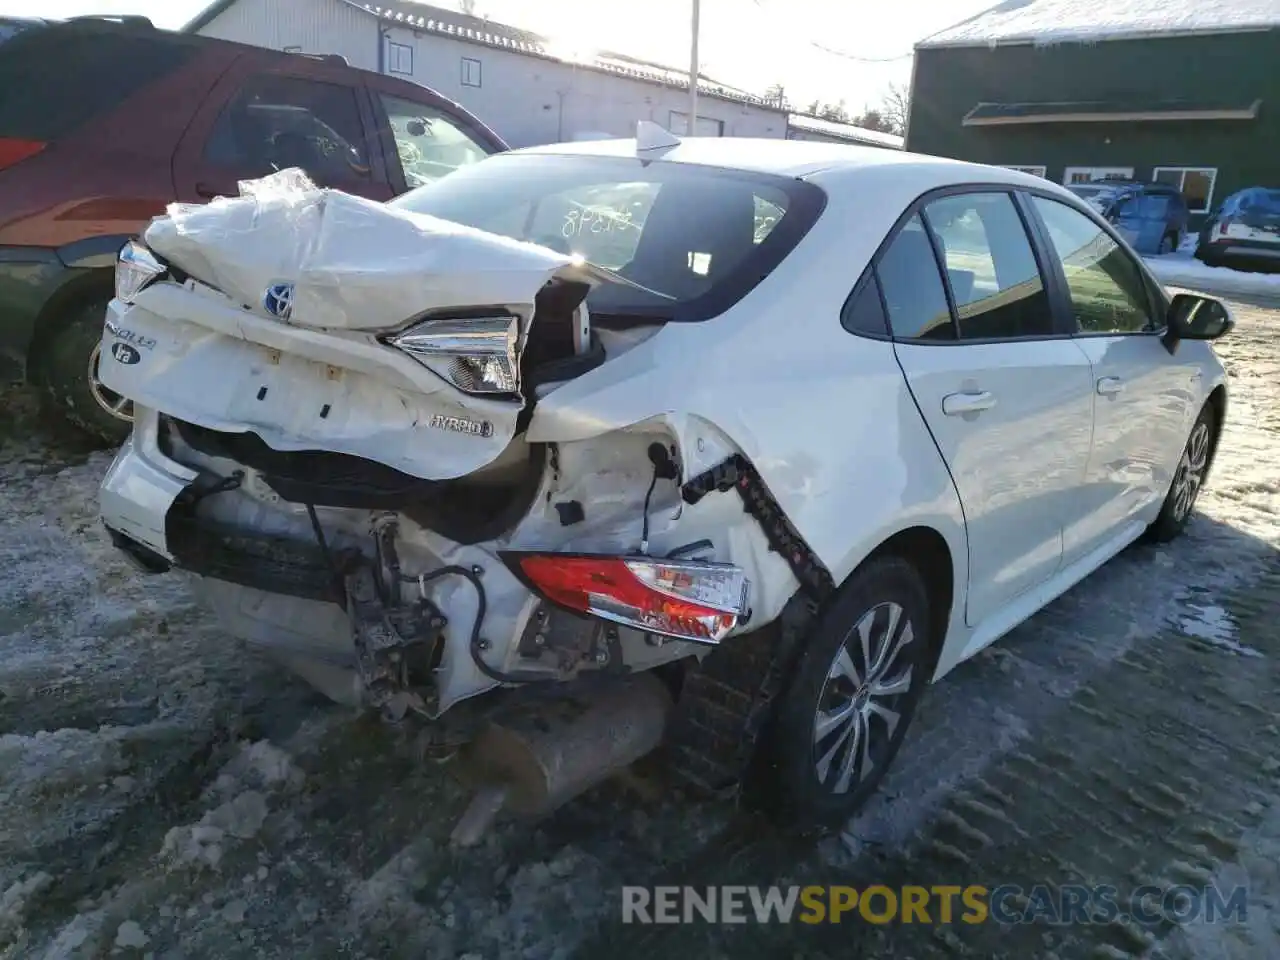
804 159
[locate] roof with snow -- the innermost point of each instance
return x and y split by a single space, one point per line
1058 21
425 18
844 131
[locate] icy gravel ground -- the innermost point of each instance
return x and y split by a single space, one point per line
164 792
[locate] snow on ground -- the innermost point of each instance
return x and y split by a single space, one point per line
1184 270
165 792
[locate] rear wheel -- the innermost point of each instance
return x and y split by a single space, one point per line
851 698
1188 479
1168 244
69 374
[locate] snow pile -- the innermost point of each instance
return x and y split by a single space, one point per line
1056 21
242 786
1183 270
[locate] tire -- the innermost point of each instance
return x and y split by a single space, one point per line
1188 479
1168 244
67 373
812 781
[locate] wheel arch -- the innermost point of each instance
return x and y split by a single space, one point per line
926 549
83 289
1217 401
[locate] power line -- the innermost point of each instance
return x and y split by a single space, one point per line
841 53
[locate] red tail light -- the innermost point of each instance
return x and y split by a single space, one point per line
685 600
13 150
1223 224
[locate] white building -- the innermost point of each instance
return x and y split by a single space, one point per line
802 127
513 80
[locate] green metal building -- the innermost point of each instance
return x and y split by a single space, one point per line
1074 90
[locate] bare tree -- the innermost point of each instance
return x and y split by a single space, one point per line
468 7
893 108
776 95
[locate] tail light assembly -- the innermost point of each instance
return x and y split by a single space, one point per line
688 600
478 355
14 150
136 267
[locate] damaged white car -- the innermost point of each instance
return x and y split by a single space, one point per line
736 444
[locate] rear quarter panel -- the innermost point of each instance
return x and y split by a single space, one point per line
114 174
824 415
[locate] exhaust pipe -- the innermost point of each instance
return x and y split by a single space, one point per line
532 771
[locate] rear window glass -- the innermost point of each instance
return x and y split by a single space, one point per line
71 74
685 241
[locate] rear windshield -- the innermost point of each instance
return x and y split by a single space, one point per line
686 241
70 73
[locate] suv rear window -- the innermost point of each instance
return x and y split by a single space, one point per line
71 73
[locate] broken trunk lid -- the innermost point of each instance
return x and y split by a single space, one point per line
300 364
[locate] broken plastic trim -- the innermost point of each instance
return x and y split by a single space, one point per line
691 600
737 473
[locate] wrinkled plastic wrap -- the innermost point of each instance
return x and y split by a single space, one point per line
355 264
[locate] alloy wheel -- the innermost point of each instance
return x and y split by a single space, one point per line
1191 468
858 708
113 403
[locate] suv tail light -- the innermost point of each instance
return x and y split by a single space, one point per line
682 599
14 150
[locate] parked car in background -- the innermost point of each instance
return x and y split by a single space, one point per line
1152 217
1245 228
116 119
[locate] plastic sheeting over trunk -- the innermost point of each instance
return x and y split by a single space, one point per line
353 264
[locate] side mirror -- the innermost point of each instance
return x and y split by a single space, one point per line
1195 317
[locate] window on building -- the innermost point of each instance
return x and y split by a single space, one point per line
1035 171
429 144
990 267
678 123
276 122
912 287
1089 174
470 72
399 58
1194 183
1107 293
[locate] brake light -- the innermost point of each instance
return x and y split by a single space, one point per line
1223 224
13 150
684 600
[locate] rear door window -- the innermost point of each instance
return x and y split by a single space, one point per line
56 78
990 267
913 294
276 122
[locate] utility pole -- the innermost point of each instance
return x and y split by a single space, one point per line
693 70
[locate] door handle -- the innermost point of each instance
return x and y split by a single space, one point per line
206 191
958 404
1110 386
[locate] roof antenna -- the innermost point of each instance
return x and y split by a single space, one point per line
651 136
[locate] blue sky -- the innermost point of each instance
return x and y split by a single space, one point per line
748 43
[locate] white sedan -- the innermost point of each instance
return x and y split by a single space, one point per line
793 428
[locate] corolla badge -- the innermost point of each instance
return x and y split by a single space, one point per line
278 300
125 353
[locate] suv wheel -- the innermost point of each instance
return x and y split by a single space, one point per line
851 698
69 375
1167 244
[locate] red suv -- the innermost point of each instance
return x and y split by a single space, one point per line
105 121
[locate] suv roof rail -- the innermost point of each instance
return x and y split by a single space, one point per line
122 18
